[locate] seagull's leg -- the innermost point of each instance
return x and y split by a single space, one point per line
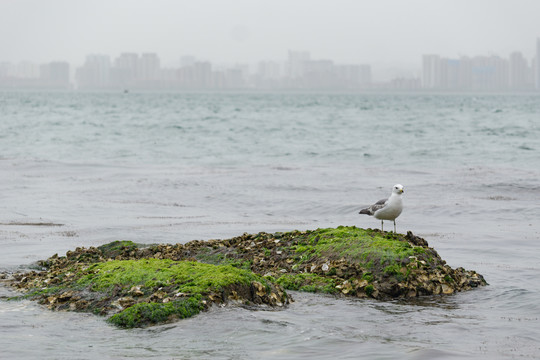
382 225
394 226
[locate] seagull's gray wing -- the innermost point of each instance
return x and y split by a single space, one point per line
373 208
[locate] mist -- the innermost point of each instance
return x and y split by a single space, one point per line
386 33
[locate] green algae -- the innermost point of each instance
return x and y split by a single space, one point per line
208 256
148 291
308 282
186 276
369 289
357 245
113 249
144 314
193 280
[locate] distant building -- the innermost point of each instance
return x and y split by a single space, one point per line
366 79
519 73
431 71
537 65
124 72
196 76
406 84
450 76
479 73
269 70
348 76
187 60
269 74
489 73
319 74
202 71
148 66
296 64
55 75
95 73
27 70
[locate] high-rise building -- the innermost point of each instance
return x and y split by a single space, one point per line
465 73
187 60
431 71
95 73
519 72
480 73
27 70
198 76
269 74
203 74
353 76
537 65
269 70
365 76
449 74
320 74
124 72
296 65
148 67
55 74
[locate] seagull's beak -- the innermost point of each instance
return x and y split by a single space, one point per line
401 191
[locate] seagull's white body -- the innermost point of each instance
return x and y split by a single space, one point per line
387 209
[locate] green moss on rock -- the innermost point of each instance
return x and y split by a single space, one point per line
308 282
141 286
185 276
115 248
356 245
144 314
142 292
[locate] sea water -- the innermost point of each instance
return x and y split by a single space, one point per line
84 169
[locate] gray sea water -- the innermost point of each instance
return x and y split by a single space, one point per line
83 169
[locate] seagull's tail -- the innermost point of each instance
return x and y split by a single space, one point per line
366 211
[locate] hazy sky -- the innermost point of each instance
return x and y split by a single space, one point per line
381 32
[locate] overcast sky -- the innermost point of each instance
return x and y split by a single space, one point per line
381 32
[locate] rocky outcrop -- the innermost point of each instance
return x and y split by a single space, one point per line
143 285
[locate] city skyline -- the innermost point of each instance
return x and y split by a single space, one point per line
299 71
389 33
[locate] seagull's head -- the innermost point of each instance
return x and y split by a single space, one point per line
398 189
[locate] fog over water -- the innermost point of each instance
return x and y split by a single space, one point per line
386 33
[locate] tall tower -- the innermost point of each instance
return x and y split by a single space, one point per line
519 71
431 71
297 63
148 67
537 66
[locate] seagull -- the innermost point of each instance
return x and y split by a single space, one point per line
387 209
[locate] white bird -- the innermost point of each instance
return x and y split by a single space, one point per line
387 209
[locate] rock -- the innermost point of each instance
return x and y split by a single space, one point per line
361 284
260 290
325 267
65 296
447 289
78 305
158 296
136 291
345 261
126 302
